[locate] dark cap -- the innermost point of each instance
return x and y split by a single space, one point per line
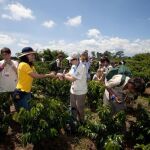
26 51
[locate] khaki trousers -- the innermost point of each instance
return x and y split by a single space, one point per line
78 102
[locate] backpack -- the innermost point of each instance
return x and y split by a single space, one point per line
121 69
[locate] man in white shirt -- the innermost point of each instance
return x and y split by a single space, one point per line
78 90
116 95
8 74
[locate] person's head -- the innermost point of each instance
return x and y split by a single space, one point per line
60 56
73 58
135 86
105 61
114 64
27 55
86 52
6 53
100 71
84 56
122 62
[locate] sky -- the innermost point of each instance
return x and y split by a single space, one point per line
76 25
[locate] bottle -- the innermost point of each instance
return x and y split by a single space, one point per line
113 97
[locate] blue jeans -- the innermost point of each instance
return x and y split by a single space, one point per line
23 102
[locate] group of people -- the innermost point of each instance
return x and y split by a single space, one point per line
16 79
120 87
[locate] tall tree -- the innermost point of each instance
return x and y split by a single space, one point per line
47 55
93 54
119 54
108 54
99 55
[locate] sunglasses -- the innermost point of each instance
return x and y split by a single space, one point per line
73 59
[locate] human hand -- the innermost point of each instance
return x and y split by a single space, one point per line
51 74
60 76
118 99
115 98
9 62
4 64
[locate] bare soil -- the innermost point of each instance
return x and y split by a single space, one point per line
12 141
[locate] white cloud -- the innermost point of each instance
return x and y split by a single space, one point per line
112 44
17 12
49 24
6 39
90 42
93 33
75 21
5 16
37 46
23 43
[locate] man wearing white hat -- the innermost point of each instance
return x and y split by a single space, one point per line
78 90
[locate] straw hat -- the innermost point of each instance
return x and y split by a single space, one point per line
26 51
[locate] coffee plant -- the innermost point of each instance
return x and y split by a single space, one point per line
43 121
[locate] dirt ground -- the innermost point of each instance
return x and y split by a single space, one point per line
12 142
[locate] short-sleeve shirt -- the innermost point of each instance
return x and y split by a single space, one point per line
79 86
24 79
8 77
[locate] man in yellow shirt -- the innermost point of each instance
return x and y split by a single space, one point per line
26 73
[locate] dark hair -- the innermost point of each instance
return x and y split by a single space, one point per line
139 84
60 55
84 56
105 58
122 62
26 60
5 50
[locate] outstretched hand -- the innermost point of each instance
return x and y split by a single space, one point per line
118 99
60 76
51 74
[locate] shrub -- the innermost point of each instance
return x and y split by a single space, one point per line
95 94
44 120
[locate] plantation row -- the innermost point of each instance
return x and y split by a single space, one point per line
49 114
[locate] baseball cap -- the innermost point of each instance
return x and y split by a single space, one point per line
73 56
